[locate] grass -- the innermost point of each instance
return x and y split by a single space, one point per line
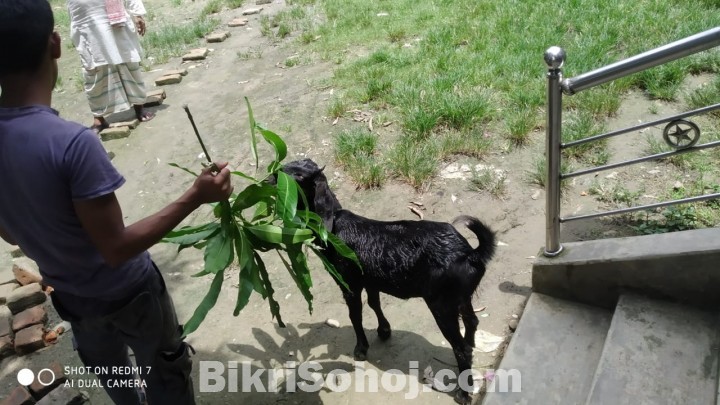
170 40
490 180
255 52
580 125
59 88
356 151
414 162
337 107
617 194
705 96
215 6
458 65
286 22
538 174
232 4
682 217
212 7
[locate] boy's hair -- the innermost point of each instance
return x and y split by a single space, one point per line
25 27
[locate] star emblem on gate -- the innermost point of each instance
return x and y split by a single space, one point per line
681 134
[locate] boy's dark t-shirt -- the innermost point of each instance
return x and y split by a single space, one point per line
46 163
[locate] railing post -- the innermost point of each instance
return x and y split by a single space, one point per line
554 58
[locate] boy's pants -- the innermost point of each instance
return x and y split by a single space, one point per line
148 325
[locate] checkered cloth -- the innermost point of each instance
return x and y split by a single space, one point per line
114 88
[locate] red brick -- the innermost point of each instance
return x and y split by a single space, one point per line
63 395
31 316
7 289
38 390
29 339
19 396
25 273
7 347
5 321
25 297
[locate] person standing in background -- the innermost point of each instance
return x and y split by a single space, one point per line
106 34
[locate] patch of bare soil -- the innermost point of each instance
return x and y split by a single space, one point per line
293 102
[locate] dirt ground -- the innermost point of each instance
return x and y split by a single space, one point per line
293 103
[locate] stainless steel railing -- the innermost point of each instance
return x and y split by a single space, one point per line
677 131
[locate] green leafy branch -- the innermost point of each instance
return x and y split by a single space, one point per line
260 218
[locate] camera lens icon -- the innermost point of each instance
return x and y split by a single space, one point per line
45 377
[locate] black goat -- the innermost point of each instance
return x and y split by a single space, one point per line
405 259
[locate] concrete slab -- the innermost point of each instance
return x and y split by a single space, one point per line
115 133
196 54
678 266
556 348
168 79
658 353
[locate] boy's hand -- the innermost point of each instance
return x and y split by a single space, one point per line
211 187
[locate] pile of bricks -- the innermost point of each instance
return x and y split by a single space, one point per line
22 310
23 330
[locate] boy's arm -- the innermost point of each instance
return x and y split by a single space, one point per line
103 220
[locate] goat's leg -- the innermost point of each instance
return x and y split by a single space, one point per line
470 320
383 330
354 303
446 315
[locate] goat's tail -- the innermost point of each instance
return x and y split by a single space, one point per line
486 249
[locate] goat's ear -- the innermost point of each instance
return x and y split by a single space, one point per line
324 202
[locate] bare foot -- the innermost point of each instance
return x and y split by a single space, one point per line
99 124
142 115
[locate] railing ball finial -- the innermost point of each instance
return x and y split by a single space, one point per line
555 57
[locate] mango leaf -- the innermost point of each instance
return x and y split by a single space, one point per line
277 235
316 224
342 249
259 244
300 272
306 212
245 288
199 245
244 248
277 143
205 305
193 238
253 194
253 137
219 252
262 210
274 167
183 169
329 267
187 230
201 273
274 306
245 176
287 193
217 210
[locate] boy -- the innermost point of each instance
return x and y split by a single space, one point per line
58 204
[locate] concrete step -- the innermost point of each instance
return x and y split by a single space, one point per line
657 352
556 348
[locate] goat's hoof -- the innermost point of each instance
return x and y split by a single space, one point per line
384 333
360 354
462 397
